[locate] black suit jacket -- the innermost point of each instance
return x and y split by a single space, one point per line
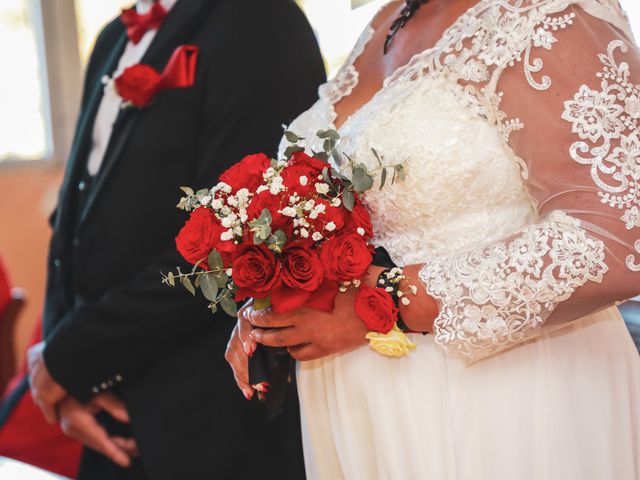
108 320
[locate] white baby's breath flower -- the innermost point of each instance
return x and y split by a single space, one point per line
206 200
413 289
233 201
226 235
303 180
223 187
229 271
360 231
216 204
336 202
322 188
320 208
317 236
288 212
304 233
330 226
309 204
405 301
261 188
357 283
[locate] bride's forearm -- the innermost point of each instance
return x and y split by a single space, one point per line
420 314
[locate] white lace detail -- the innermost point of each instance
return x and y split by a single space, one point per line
347 77
609 120
494 298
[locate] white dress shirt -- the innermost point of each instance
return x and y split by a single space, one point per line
110 105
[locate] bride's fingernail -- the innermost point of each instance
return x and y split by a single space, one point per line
248 394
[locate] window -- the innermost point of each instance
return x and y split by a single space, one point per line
22 126
91 16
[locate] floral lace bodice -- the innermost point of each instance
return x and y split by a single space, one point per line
519 132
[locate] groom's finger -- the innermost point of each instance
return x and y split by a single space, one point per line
244 330
112 405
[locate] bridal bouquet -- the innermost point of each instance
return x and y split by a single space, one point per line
287 233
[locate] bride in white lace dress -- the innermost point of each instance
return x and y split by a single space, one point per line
520 216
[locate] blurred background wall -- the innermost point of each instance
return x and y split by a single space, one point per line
44 45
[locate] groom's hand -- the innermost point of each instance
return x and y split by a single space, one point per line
78 422
46 392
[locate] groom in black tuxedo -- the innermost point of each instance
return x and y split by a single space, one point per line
116 340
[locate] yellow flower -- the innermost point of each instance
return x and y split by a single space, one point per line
393 344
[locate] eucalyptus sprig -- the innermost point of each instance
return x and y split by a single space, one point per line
214 283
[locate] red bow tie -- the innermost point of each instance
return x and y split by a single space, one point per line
137 25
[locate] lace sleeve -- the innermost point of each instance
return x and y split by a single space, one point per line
571 121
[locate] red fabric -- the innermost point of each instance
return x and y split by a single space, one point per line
137 25
5 288
27 437
180 71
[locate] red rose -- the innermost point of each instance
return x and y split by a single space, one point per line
313 165
302 275
247 173
346 257
375 307
273 203
256 271
360 218
200 235
138 84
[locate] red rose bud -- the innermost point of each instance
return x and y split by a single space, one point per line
247 173
256 271
375 307
346 257
200 234
138 84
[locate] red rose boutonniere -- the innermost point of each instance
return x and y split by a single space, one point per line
139 84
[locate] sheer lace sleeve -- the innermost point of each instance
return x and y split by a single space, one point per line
569 107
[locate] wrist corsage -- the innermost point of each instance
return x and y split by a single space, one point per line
378 308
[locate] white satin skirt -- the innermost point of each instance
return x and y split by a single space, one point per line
563 407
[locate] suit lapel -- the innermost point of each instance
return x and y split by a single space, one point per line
179 25
82 138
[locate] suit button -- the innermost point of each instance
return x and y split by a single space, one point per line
57 263
82 186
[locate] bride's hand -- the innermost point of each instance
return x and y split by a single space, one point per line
311 334
239 349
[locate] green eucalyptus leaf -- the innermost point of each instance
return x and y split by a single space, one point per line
291 149
213 307
348 200
336 157
277 241
321 156
383 178
187 190
186 283
361 179
291 137
401 172
215 260
229 306
196 283
200 194
171 279
209 287
261 227
377 155
222 279
330 134
261 303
